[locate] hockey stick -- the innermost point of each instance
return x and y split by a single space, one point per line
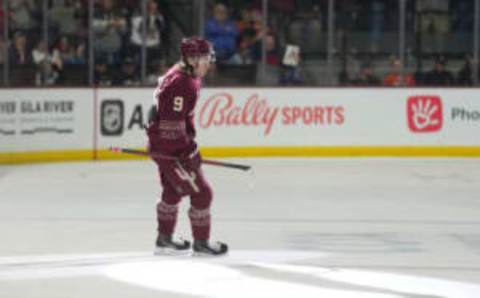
204 161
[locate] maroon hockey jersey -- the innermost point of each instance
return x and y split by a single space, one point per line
172 130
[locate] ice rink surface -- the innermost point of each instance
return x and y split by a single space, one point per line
332 228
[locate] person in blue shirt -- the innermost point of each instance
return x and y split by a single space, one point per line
223 33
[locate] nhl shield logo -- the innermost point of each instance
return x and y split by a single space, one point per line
111 117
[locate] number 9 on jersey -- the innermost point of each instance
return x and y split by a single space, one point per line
178 104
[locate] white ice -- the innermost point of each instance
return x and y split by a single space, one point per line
337 228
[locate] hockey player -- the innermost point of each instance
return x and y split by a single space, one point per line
171 135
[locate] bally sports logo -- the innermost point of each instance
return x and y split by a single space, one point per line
223 110
424 113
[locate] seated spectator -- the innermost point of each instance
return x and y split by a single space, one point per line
465 75
40 54
366 77
272 50
101 75
291 74
223 34
109 27
128 75
79 55
68 52
49 66
395 77
439 76
155 30
251 33
19 54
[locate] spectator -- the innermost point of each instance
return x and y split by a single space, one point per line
19 53
109 26
79 56
128 75
439 76
155 30
271 48
433 23
291 74
65 49
69 53
22 15
465 75
395 77
366 77
223 34
40 54
65 17
250 30
101 76
49 66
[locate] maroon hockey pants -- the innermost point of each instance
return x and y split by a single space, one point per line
180 179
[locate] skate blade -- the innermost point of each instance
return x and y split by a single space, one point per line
171 252
198 254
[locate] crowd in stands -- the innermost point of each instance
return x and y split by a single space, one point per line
437 76
236 32
51 59
295 33
42 62
237 36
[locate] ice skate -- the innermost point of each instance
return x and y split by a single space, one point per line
205 248
165 245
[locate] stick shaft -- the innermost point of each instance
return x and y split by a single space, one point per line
204 161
